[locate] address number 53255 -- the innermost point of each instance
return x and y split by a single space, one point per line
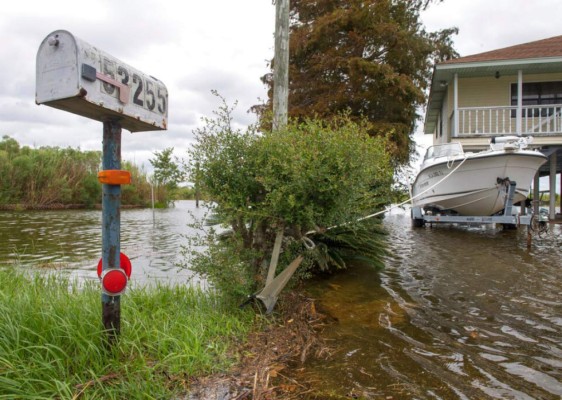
147 92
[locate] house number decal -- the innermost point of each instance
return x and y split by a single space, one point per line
147 93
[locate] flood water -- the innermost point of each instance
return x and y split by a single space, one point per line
457 313
70 240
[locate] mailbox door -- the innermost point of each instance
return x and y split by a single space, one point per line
57 68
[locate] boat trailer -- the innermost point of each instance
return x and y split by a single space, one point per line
419 219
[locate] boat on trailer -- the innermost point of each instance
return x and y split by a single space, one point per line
454 182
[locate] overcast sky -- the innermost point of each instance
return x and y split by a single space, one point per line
195 47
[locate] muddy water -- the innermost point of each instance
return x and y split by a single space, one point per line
458 313
70 240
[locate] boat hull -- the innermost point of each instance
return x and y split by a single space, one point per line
475 187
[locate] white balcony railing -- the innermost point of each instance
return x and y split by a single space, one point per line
535 120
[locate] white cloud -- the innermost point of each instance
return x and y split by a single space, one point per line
488 25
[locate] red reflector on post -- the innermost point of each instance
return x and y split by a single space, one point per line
114 281
114 177
124 262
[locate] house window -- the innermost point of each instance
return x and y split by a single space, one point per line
537 93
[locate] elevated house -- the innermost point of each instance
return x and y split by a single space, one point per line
516 90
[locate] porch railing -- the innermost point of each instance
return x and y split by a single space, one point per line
535 120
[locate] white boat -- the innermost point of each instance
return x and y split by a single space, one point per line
452 181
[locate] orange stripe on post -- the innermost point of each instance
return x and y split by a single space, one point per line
114 177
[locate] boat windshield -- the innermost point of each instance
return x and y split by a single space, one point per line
444 150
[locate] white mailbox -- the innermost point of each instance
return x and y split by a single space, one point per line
82 79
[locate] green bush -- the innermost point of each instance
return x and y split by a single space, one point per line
305 178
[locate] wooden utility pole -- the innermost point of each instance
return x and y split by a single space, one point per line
280 102
281 65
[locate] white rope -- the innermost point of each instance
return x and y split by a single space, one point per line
401 204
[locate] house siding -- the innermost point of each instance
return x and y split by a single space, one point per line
487 92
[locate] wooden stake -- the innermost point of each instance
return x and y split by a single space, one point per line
274 256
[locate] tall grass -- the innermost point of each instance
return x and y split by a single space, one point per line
47 176
52 344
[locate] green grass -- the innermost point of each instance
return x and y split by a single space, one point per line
52 344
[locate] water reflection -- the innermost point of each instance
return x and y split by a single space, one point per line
71 240
458 313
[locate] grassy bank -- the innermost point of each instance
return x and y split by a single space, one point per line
51 340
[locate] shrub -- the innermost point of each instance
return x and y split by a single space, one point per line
305 178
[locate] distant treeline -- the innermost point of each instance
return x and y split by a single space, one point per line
53 177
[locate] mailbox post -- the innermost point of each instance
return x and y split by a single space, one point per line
77 77
111 226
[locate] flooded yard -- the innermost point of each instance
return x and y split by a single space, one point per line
457 313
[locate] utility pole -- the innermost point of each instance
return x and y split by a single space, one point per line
280 101
281 65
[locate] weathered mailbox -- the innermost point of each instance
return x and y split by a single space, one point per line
76 77
79 78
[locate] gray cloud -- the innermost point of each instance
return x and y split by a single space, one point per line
195 47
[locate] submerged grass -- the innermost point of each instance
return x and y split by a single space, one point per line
52 344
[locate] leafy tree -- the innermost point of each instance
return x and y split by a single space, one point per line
309 176
372 57
167 175
166 170
9 145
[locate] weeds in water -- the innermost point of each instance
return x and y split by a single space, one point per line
52 344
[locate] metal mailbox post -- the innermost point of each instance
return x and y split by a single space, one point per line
77 77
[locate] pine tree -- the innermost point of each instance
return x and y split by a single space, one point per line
370 57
